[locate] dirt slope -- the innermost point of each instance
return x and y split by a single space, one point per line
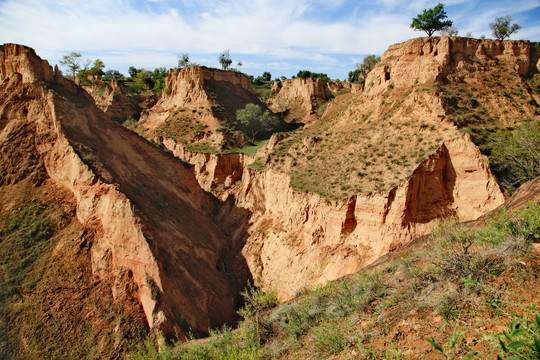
151 218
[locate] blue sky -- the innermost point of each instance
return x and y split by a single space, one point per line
279 36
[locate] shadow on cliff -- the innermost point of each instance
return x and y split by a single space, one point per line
195 239
431 189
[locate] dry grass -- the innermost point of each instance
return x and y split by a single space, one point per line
360 146
388 311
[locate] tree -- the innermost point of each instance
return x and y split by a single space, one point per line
354 76
72 62
225 59
305 74
252 120
258 81
158 75
516 155
145 77
363 68
183 61
450 31
133 71
431 20
113 75
501 27
98 67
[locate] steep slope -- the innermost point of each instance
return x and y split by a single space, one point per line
462 292
299 99
178 245
112 99
52 304
376 171
195 102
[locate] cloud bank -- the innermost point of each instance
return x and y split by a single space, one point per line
280 35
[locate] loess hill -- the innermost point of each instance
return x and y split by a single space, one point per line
109 234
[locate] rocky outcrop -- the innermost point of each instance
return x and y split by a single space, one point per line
150 217
433 59
195 102
23 60
211 95
113 101
342 87
299 98
299 240
193 86
212 170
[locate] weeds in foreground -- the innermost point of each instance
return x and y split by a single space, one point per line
457 281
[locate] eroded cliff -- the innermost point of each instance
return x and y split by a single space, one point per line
427 60
297 240
395 151
152 220
195 102
375 171
299 98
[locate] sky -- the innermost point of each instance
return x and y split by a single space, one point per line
278 36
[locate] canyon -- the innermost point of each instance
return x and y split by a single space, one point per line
183 232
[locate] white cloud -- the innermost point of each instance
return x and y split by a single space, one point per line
278 31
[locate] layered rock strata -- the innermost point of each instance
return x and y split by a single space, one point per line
434 59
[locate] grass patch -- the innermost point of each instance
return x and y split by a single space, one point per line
257 165
249 149
440 288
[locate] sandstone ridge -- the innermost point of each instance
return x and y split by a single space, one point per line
431 59
299 98
173 239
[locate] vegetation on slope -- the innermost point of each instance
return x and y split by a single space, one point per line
495 108
360 146
453 293
51 304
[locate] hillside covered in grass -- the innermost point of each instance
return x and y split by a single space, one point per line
467 291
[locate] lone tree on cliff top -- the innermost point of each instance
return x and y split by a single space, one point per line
431 20
225 59
502 28
72 62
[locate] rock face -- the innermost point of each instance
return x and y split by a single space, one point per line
195 102
212 170
299 240
431 59
23 60
199 90
179 245
114 102
189 253
300 97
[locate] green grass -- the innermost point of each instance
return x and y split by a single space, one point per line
257 165
26 231
456 276
249 149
